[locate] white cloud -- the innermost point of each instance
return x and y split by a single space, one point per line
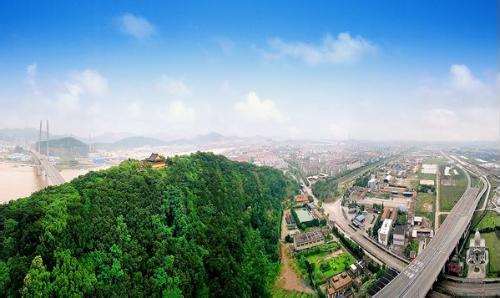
31 71
461 89
90 82
178 111
173 86
462 78
31 74
136 26
87 82
335 50
256 109
440 117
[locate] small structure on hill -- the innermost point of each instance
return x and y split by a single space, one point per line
155 160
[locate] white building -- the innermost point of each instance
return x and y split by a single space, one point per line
385 232
372 184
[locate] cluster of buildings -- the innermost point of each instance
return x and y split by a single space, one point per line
390 229
340 284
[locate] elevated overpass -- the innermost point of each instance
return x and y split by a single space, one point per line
52 174
417 278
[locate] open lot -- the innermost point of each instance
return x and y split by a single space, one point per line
493 244
450 194
425 205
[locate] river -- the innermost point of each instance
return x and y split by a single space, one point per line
18 180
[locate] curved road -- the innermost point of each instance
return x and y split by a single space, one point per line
335 211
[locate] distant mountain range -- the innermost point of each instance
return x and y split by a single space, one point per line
65 147
112 141
138 141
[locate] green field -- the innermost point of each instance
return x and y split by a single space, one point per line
423 199
438 160
421 176
324 265
324 269
280 293
490 220
450 194
493 244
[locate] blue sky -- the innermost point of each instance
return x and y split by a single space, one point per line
325 69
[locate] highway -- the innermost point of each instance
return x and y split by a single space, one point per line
53 175
417 279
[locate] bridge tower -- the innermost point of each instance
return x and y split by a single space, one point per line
40 139
47 140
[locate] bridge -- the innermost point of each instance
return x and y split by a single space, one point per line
52 174
43 162
419 276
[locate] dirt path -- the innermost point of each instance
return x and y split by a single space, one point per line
289 280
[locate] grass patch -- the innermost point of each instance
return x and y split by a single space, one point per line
437 160
324 269
280 293
493 244
450 194
490 220
322 264
424 176
423 200
412 246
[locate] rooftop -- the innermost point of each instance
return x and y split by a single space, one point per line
399 230
386 226
308 237
338 282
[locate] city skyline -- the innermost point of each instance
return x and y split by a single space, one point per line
392 71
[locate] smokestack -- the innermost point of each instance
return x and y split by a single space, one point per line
40 139
47 139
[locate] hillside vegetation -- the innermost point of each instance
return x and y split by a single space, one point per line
203 226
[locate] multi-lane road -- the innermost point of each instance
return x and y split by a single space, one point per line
416 279
53 175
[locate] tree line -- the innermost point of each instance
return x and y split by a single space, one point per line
204 226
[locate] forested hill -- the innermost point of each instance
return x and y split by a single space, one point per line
203 226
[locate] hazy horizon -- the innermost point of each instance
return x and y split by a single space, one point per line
389 72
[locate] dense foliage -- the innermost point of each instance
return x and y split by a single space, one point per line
352 246
203 226
362 180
